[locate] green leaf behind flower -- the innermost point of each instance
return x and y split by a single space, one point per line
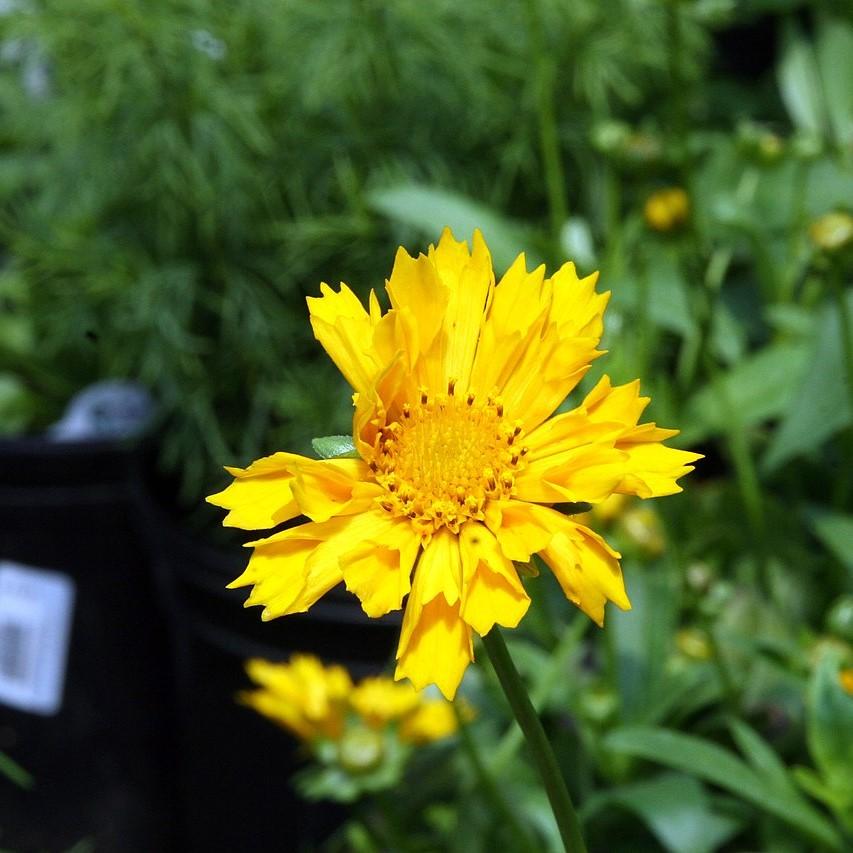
334 447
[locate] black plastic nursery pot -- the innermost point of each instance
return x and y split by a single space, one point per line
236 766
100 750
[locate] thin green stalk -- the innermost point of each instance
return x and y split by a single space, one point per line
489 787
555 786
846 331
730 691
843 482
554 671
544 75
678 123
746 474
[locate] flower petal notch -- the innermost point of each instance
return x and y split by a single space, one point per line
462 460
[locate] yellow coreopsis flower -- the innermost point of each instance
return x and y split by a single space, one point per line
314 701
304 696
461 469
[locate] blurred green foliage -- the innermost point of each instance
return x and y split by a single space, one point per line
175 177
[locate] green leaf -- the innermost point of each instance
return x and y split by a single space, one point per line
761 756
431 209
334 447
12 770
760 387
834 47
799 83
820 406
661 292
641 640
829 727
676 808
835 530
714 764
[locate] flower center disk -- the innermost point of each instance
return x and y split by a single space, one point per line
444 457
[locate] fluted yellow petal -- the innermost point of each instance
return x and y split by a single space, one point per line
622 404
438 648
415 287
543 364
469 280
328 487
577 308
345 330
587 569
490 599
261 495
378 569
291 569
568 431
589 473
522 529
519 299
441 567
651 469
492 592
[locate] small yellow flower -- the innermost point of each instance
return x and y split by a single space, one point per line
316 701
380 700
303 696
832 231
434 719
459 461
667 209
846 679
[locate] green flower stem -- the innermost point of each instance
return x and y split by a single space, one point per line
553 672
842 488
543 755
544 76
489 787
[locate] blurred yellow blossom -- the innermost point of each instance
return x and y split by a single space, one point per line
667 209
832 231
456 462
379 700
693 643
303 695
639 524
320 702
846 679
434 719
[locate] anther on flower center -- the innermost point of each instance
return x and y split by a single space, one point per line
444 457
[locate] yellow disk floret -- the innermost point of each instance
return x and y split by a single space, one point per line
444 458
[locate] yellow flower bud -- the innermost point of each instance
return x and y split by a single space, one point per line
832 231
693 643
360 749
667 209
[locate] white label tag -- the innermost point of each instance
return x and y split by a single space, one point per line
35 627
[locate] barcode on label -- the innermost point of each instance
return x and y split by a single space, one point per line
35 622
